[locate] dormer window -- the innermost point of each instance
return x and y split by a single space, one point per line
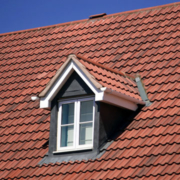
75 124
88 103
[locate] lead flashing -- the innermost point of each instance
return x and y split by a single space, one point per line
142 91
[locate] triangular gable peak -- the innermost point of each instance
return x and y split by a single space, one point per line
101 92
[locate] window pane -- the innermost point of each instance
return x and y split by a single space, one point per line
85 133
68 113
86 112
67 136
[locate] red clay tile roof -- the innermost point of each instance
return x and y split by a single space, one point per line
144 41
112 79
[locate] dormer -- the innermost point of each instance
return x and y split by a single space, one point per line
88 103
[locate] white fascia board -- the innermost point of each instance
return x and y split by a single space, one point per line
123 96
45 102
118 101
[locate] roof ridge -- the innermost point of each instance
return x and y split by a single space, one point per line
84 20
105 67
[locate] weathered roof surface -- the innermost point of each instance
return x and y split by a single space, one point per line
144 41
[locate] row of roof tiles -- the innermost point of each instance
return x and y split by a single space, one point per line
145 41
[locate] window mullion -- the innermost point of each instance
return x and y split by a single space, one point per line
93 119
75 109
77 123
59 126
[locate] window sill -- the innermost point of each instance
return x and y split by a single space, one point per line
73 149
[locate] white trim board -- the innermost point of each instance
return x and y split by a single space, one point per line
71 66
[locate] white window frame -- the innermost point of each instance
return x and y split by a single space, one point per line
76 145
